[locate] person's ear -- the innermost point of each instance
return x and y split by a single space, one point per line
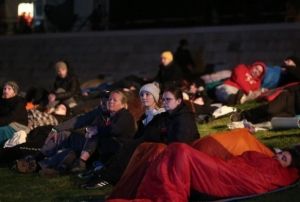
179 101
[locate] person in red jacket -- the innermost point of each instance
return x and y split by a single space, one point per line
181 169
245 80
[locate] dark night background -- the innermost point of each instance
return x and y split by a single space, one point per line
172 13
135 14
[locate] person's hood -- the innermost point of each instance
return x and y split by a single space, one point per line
263 65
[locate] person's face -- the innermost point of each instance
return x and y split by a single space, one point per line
114 102
147 99
193 89
8 92
165 61
284 158
257 70
289 62
62 72
61 109
169 101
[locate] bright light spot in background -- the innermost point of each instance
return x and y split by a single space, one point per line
25 13
25 8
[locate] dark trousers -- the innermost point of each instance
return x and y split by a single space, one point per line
285 105
117 164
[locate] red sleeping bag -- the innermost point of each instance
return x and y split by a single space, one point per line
181 168
272 94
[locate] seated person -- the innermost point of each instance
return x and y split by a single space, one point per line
184 59
244 81
66 87
107 130
169 72
40 124
13 114
177 124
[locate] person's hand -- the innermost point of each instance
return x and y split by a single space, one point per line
51 97
53 136
91 131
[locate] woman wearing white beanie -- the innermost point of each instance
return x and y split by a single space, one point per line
149 95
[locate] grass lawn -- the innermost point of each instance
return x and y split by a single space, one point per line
18 187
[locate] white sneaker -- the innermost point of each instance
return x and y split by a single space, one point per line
224 110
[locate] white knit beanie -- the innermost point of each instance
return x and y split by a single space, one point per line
152 88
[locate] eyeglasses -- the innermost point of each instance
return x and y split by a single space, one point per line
167 99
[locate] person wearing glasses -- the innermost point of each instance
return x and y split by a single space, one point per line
181 170
176 124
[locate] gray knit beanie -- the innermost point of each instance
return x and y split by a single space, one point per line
152 88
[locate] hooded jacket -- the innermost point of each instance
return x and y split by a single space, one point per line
241 78
70 84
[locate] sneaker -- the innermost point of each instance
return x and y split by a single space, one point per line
79 166
96 183
222 111
92 172
86 175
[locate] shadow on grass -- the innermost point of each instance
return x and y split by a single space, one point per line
292 135
86 198
220 127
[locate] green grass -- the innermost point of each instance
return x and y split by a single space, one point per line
31 187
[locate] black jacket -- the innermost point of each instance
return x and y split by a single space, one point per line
169 74
70 84
13 110
120 127
179 126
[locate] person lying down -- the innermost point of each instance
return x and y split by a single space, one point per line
182 168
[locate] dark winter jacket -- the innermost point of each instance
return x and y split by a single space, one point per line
121 126
70 84
169 74
179 126
13 110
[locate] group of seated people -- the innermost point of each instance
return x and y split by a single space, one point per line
143 133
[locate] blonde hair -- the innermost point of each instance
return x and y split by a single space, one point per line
124 99
168 55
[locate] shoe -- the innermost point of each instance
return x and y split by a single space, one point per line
96 183
87 175
79 166
68 161
222 111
